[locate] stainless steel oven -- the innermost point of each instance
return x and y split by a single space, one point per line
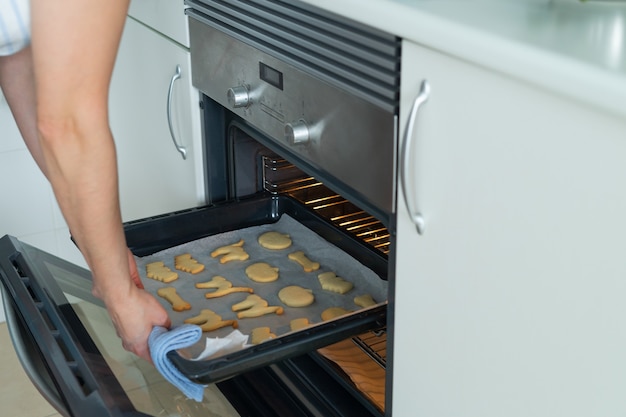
300 120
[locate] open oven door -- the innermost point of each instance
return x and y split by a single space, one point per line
53 346
69 349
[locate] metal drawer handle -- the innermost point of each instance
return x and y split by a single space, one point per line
179 148
405 158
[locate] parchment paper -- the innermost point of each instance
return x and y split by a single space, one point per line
315 248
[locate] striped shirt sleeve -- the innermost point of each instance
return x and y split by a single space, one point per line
14 25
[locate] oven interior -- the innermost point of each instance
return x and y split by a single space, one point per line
254 166
256 169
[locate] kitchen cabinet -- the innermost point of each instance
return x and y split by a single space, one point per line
516 285
165 16
154 177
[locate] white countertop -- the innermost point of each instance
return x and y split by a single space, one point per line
576 49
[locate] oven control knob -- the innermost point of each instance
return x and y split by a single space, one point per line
297 132
238 96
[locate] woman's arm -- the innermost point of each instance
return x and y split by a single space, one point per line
74 46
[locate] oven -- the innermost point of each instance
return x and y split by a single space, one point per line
300 113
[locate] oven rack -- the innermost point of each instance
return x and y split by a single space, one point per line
350 356
282 177
374 344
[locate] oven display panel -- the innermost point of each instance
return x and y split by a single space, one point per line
271 76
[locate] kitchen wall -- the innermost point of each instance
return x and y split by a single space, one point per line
28 209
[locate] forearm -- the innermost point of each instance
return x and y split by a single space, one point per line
83 174
73 52
74 47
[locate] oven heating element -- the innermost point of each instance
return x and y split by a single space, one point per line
282 177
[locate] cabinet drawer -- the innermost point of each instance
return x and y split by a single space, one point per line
164 16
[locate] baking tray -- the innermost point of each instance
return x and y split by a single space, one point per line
152 236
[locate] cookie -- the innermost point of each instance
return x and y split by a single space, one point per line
170 294
332 312
261 334
274 240
208 320
295 296
159 272
331 282
186 263
298 324
234 252
262 272
306 263
364 300
254 306
222 287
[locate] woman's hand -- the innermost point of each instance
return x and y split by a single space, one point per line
134 317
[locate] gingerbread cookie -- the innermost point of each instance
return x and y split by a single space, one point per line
222 287
307 264
332 312
254 306
274 240
331 282
364 300
186 263
261 334
159 272
296 296
298 324
208 320
234 252
170 294
262 272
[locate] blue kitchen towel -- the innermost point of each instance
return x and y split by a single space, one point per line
162 341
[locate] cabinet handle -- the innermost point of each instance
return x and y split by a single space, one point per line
179 148
405 158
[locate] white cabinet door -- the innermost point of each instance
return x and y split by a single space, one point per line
512 302
164 16
154 178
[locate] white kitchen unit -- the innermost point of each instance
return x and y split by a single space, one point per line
155 114
165 16
517 283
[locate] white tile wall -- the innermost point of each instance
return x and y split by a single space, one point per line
28 209
10 138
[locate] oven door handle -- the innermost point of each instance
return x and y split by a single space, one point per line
405 158
179 148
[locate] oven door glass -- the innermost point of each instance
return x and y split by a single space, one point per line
68 345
